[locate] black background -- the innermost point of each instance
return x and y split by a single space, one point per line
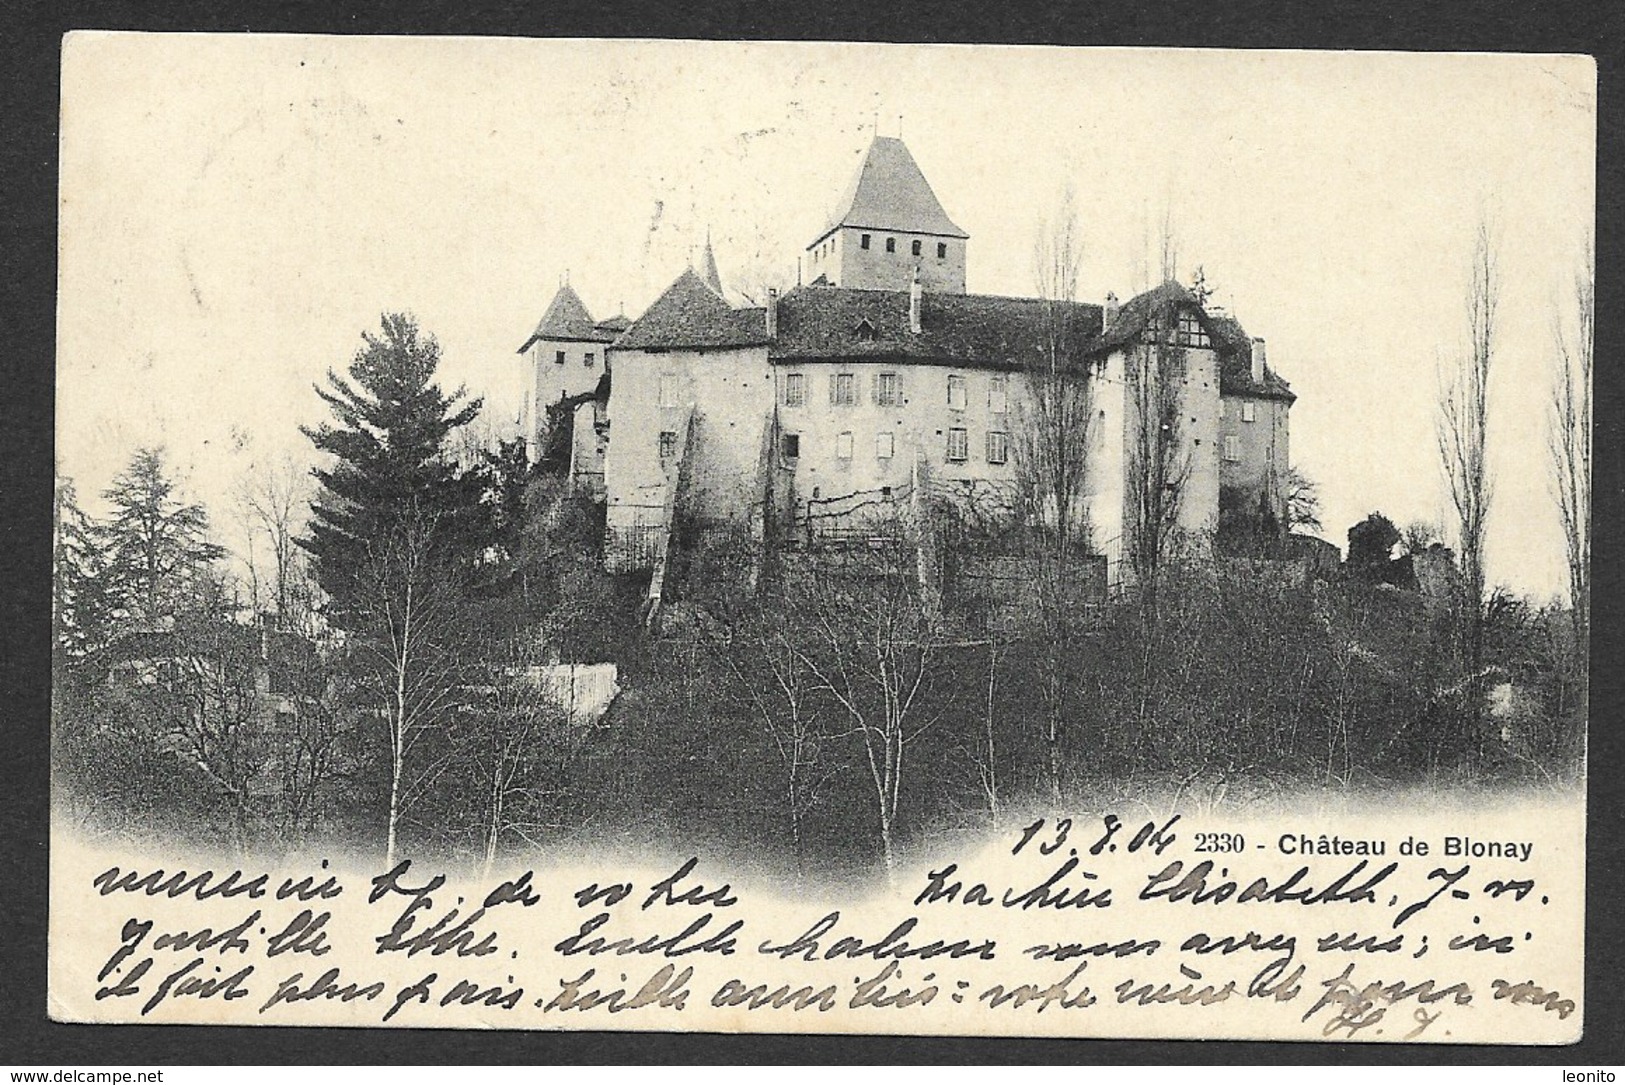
30 35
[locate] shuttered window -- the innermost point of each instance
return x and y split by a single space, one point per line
998 446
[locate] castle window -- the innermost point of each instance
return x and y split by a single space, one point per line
942 250
1232 449
956 392
958 445
668 389
1190 332
916 248
558 357
668 445
885 445
891 244
843 445
1247 409
795 389
588 358
863 241
998 395
843 389
790 445
998 446
888 389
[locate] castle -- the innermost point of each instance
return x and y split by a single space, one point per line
882 376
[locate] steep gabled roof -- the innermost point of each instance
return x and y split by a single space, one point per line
567 319
690 315
890 193
1137 312
1230 340
829 323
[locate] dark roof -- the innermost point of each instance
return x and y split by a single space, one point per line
890 193
1236 379
1236 362
969 329
567 319
1136 313
615 325
1230 340
823 323
690 315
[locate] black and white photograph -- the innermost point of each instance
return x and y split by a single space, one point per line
822 538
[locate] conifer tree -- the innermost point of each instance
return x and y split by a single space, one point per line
83 602
391 467
156 546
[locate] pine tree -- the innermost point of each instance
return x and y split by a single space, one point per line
156 546
391 468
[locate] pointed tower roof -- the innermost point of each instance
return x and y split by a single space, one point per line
567 319
691 315
708 267
890 193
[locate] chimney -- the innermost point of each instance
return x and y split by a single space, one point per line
772 313
1258 361
1109 316
915 296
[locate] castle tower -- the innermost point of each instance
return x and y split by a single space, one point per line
565 357
888 224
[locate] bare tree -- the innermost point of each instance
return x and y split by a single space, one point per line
758 642
1569 439
1463 426
1302 502
1052 460
1052 452
1418 536
526 742
274 502
198 697
1159 464
869 641
411 609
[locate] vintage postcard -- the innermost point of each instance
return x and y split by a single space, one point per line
838 538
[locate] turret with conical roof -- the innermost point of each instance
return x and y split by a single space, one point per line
708 268
888 225
565 357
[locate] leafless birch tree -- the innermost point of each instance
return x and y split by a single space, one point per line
525 739
408 642
757 643
868 644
